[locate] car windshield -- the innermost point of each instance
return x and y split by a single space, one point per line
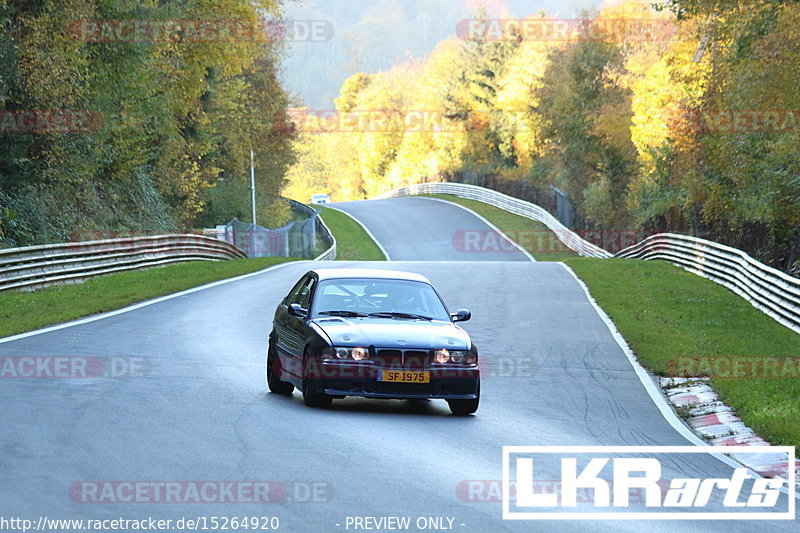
387 298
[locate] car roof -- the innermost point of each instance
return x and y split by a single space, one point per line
360 273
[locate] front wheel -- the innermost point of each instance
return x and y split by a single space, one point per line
274 371
465 407
312 396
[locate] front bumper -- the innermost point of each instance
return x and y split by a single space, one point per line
447 382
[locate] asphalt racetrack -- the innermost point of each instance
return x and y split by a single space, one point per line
195 407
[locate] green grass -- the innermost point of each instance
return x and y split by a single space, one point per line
665 312
22 311
534 236
25 311
352 242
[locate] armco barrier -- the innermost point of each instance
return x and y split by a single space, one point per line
513 205
773 292
330 253
38 266
770 290
301 238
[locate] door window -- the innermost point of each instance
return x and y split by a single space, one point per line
302 295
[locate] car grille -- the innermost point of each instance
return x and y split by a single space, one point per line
403 359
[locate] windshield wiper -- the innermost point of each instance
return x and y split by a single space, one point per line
395 314
343 313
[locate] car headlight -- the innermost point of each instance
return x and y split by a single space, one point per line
458 356
444 356
357 354
329 353
441 356
471 357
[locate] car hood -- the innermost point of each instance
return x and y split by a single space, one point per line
393 333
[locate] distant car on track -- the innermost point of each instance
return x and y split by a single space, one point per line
320 198
371 333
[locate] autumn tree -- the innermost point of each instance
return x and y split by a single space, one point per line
178 113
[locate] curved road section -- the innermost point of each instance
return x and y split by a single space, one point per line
146 412
424 229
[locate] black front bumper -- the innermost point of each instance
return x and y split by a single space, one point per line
447 382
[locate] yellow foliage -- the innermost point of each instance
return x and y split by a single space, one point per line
613 121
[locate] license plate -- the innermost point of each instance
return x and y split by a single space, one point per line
404 376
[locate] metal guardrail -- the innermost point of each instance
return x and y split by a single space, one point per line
330 253
773 292
38 266
513 205
301 238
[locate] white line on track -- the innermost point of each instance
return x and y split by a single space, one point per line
142 304
655 393
650 387
366 229
483 219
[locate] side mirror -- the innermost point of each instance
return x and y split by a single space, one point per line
296 310
462 315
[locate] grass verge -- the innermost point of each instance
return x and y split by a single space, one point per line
25 311
352 242
665 313
534 236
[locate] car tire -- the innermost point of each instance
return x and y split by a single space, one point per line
311 396
465 407
273 373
